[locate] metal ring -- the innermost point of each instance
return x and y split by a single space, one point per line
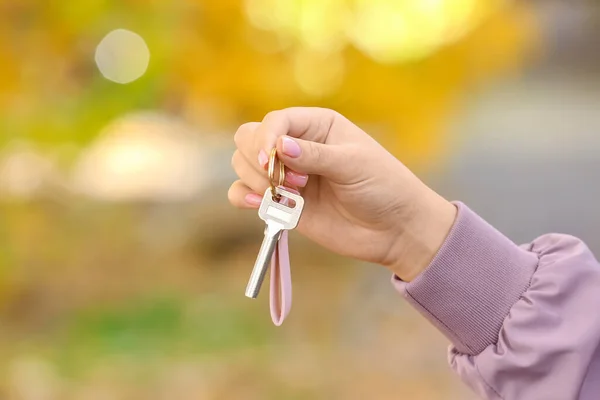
271 172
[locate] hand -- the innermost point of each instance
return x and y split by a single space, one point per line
360 201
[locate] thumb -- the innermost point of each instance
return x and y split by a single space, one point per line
308 157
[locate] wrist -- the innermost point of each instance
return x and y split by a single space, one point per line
421 235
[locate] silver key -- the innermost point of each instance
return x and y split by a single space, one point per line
278 218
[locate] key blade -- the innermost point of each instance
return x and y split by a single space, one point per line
273 212
278 217
263 260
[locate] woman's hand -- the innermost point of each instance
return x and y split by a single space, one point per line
360 201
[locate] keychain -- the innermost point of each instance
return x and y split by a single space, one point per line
279 217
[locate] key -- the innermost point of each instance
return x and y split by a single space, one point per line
278 217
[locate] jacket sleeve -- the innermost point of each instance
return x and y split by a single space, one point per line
524 321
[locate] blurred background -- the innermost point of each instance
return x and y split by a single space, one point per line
122 266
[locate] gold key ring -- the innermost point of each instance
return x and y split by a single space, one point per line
271 172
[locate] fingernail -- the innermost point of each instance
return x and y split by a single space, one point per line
296 179
253 199
263 158
290 147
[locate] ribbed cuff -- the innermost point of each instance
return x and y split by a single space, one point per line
471 284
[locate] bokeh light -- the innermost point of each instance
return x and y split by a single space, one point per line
386 31
122 56
144 156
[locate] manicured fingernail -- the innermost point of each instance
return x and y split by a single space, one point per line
296 179
290 147
253 199
263 158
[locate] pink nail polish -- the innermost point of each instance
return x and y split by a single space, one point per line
296 179
263 158
253 199
291 147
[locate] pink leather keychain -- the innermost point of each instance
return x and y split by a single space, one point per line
281 209
280 217
281 282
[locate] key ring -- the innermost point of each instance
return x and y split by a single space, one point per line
271 172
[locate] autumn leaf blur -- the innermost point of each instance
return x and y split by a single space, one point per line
237 60
118 277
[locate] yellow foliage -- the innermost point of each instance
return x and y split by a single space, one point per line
411 101
400 66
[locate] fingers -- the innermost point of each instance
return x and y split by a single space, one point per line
312 124
244 139
336 162
258 180
248 174
242 196
300 135
295 179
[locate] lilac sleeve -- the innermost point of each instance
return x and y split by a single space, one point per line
524 321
